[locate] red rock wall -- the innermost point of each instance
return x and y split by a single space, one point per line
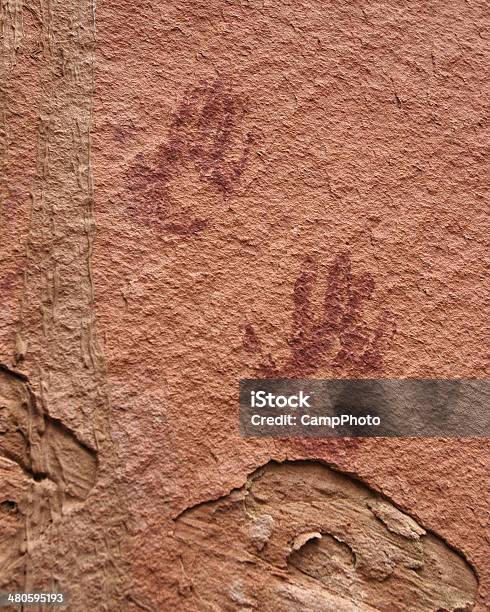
194 193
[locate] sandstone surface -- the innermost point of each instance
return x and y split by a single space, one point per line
197 192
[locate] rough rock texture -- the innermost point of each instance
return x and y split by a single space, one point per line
47 473
232 189
299 536
66 526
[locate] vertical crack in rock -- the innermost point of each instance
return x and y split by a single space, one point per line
55 441
299 536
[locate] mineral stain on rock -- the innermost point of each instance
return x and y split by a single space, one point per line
206 137
339 336
299 536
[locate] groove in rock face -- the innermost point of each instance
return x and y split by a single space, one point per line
300 536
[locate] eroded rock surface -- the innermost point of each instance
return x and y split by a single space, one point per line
231 189
300 536
45 471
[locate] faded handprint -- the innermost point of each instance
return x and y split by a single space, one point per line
206 133
339 337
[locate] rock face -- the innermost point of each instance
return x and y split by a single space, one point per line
46 473
299 536
200 192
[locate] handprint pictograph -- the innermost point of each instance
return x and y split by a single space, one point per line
206 136
339 336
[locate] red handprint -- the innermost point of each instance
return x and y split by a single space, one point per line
206 132
340 337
